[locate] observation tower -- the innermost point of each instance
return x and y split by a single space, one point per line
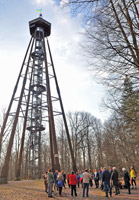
35 102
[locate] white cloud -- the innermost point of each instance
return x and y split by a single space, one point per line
63 2
78 90
42 2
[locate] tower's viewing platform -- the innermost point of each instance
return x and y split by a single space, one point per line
41 23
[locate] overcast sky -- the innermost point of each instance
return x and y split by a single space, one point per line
79 90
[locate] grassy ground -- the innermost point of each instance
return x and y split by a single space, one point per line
34 190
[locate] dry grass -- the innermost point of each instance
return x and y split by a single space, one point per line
34 190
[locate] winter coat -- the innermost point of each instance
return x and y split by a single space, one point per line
68 175
78 178
73 179
55 176
132 173
100 175
50 177
115 178
45 176
64 176
126 179
106 176
60 181
86 177
96 176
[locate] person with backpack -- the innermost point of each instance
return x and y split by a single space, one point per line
60 180
133 178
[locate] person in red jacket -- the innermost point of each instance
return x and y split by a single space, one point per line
73 182
68 179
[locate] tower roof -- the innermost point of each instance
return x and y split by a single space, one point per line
40 22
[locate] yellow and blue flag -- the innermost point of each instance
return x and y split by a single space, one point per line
39 10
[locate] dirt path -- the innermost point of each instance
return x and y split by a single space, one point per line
34 190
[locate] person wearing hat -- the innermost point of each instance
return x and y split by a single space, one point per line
126 180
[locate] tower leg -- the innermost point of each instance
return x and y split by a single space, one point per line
51 148
23 138
50 110
63 113
12 98
5 169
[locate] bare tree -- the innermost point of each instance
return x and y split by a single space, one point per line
111 41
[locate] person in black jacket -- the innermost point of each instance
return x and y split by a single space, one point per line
96 178
111 184
106 180
126 180
114 177
45 176
64 176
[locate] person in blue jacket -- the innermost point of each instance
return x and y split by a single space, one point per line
78 178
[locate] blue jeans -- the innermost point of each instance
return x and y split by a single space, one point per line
85 185
107 188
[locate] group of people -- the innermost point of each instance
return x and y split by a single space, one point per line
110 177
105 177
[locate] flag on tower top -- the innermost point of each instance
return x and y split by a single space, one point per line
39 10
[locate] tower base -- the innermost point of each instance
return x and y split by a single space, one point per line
3 180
